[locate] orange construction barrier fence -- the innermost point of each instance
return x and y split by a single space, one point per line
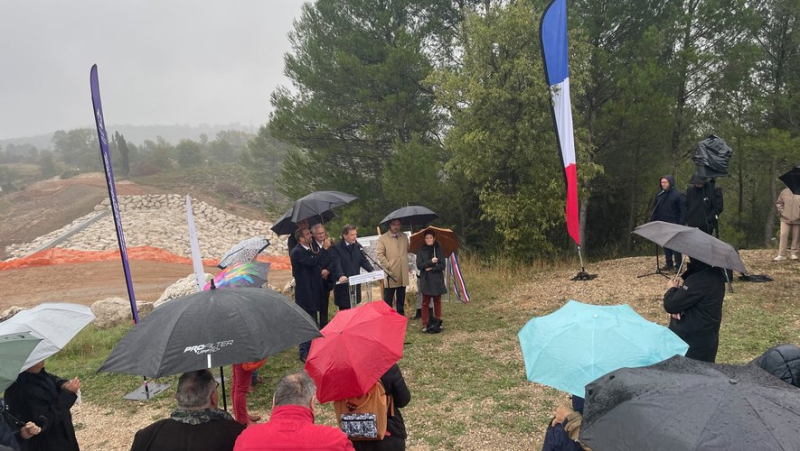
60 256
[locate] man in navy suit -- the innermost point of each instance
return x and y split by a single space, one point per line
308 288
348 261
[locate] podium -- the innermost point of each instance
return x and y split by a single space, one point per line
356 281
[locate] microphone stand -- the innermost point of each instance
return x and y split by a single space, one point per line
655 245
361 248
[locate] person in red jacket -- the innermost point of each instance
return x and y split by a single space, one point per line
291 426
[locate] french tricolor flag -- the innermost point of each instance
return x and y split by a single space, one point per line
556 66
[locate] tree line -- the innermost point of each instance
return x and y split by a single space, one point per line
443 103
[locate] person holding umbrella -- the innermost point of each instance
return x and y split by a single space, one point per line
45 399
695 308
308 282
788 206
431 265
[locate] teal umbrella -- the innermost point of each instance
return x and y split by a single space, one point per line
578 343
14 350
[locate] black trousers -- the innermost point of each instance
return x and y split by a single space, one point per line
389 295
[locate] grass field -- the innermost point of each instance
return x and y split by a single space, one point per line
468 383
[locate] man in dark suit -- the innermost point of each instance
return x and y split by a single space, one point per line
348 260
320 246
307 280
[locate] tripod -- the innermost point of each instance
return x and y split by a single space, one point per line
661 197
658 268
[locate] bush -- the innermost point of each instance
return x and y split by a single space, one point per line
146 167
69 173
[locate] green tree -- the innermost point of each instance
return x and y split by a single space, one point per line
78 148
263 160
502 136
357 68
189 153
46 164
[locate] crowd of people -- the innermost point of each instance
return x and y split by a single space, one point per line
39 402
321 266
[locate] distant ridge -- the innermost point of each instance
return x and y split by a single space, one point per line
139 133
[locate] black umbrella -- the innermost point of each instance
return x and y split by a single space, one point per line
792 179
413 215
285 226
317 203
243 252
211 328
684 404
693 242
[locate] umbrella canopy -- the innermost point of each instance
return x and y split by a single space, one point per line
693 242
684 404
211 328
285 226
579 342
356 348
317 203
251 274
14 351
445 237
243 252
792 179
413 215
55 323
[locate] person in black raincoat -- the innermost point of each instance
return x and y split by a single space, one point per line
782 361
668 206
431 265
703 204
45 399
395 439
695 307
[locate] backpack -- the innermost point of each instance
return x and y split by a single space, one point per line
434 326
364 417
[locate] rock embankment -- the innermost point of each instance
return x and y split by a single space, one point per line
158 221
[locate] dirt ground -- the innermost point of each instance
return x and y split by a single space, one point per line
85 283
51 204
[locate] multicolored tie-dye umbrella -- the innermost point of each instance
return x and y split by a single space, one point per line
243 252
250 274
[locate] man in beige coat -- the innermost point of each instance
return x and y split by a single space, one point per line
788 205
392 253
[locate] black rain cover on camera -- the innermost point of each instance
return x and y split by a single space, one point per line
712 157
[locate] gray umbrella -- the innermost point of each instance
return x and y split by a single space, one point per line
684 404
318 203
412 215
694 243
244 252
211 328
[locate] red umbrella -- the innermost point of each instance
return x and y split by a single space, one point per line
356 348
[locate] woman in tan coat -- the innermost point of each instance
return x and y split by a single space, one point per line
788 205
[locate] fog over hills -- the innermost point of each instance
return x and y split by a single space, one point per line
137 134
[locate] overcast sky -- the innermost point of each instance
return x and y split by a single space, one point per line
161 62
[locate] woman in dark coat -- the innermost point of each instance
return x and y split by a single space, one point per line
696 309
430 262
45 399
395 438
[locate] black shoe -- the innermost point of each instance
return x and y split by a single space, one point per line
667 268
418 315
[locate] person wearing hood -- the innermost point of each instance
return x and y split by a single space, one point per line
668 206
702 201
695 308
